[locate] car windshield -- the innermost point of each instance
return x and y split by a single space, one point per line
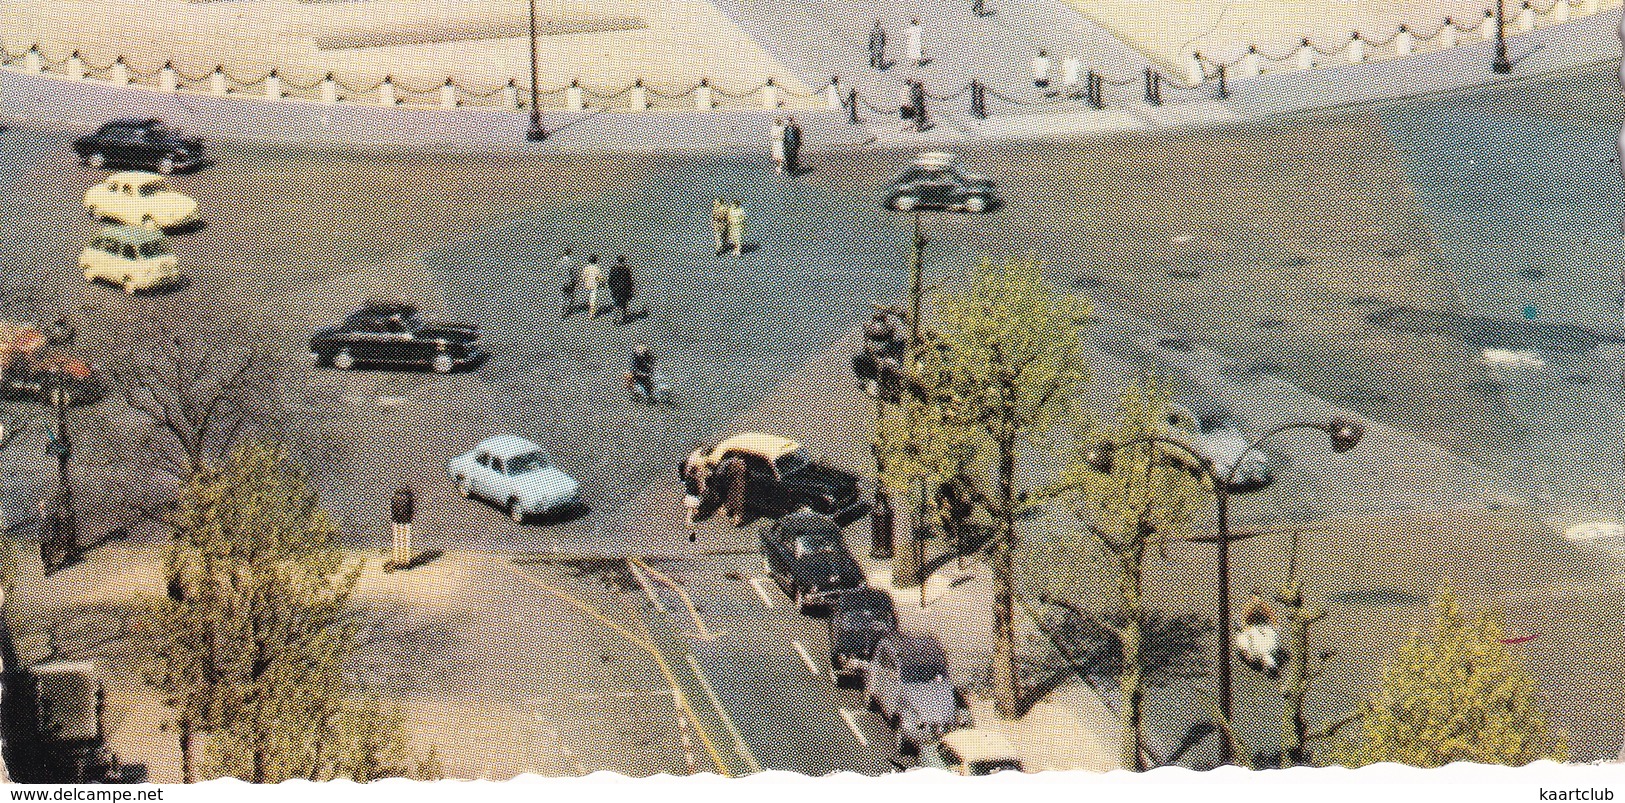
154 188
526 462
861 620
791 462
817 539
923 670
155 249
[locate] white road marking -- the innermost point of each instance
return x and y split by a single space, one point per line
806 657
391 401
740 748
756 583
852 725
648 590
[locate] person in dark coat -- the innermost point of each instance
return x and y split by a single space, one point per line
877 46
792 146
620 287
916 96
402 507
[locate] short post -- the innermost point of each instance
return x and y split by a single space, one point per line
1560 12
1306 55
273 86
448 94
1252 64
329 90
703 99
217 82
120 73
1195 75
832 94
770 94
386 92
1356 49
1151 86
1526 19
640 96
33 62
852 106
1092 85
1403 41
575 98
76 67
1224 85
510 94
1447 34
1486 29
167 81
978 99
882 525
401 510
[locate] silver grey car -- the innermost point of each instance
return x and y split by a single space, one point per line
908 685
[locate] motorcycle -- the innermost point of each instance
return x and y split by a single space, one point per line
659 392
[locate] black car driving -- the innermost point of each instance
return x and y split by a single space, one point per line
857 622
806 556
392 333
932 182
148 144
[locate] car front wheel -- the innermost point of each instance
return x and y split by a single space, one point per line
343 360
442 364
976 204
96 159
95 214
465 487
148 223
516 512
129 285
905 203
166 165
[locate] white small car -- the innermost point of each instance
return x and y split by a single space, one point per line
1223 442
516 475
130 257
135 198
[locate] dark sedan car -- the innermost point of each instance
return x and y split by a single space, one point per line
757 474
394 334
807 558
859 620
147 144
932 182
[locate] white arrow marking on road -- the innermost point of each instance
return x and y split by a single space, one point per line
756 583
806 657
648 590
852 725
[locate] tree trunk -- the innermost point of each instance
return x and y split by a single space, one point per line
188 762
905 566
1006 684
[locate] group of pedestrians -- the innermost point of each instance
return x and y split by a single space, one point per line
786 146
728 225
913 44
590 278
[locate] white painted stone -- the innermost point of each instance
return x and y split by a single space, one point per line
770 96
1356 50
1404 43
832 96
76 68
273 87
1306 57
386 93
575 99
217 84
119 74
33 63
703 99
1560 11
1526 20
1486 29
510 96
448 96
1251 65
329 91
1447 35
1194 73
639 98
167 81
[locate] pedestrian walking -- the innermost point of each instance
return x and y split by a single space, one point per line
621 289
792 146
912 42
916 96
777 145
402 507
736 227
978 8
719 224
877 46
1041 67
1071 71
592 278
567 288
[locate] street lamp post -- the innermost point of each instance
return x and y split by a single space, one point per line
1501 64
1345 435
536 133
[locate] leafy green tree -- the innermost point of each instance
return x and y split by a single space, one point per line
999 368
1456 695
257 631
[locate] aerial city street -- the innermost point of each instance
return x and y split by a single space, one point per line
715 387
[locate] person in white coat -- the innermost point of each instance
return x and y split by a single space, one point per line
777 145
1071 72
1041 67
913 46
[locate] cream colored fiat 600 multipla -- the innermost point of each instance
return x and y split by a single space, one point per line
140 199
130 257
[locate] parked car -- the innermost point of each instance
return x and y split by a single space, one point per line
135 198
131 257
933 182
771 476
972 751
1222 441
805 555
857 622
516 475
907 683
144 143
391 333
33 368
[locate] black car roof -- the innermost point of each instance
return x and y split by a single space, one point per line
136 121
865 599
806 521
915 648
386 307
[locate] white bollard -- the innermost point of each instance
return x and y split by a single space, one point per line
217 82
167 80
330 90
1526 20
1560 12
1486 29
702 96
386 92
1447 34
1306 56
1404 42
832 95
1356 49
1252 64
1194 74
574 98
120 72
33 62
273 86
770 95
448 95
510 95
639 97
76 67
